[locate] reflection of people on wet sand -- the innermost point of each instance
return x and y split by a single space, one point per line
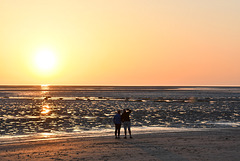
117 122
126 122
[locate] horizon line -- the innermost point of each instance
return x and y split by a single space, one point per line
116 85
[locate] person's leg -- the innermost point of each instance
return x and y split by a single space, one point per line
125 129
119 127
116 130
129 129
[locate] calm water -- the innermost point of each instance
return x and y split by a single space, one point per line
26 110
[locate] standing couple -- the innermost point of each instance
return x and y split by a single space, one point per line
119 119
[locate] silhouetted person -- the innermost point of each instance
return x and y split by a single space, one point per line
126 122
117 122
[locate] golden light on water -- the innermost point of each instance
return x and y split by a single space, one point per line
45 109
45 87
47 134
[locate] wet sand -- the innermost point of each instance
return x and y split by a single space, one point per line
221 145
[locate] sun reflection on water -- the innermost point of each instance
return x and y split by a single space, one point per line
46 134
44 88
45 110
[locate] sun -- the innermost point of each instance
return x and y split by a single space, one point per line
45 60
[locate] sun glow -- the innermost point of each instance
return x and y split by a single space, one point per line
45 60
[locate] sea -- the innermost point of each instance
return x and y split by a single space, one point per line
40 112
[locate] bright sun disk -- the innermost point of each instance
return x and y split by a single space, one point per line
45 60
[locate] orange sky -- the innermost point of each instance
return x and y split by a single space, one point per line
127 42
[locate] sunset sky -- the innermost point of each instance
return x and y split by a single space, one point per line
126 42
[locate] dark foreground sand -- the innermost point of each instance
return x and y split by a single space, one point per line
215 145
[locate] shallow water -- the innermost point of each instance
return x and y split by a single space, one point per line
11 139
37 110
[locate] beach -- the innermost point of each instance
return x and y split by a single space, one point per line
209 144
